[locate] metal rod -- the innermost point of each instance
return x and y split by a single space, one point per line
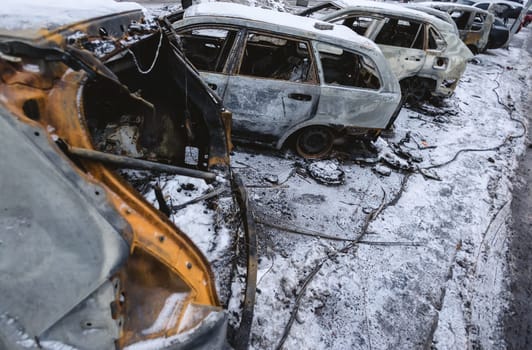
209 195
140 164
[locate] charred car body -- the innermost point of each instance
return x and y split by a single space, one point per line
287 78
85 261
474 24
424 52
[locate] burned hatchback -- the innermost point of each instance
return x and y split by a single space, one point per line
93 98
424 52
289 79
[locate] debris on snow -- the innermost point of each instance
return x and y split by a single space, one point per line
326 172
382 170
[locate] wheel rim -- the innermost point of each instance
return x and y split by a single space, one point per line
314 142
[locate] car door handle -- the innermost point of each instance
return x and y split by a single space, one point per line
212 86
300 97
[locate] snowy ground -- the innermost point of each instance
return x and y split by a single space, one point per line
420 262
414 259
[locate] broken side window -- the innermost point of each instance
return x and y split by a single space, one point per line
460 18
266 56
403 33
359 24
436 41
208 48
341 67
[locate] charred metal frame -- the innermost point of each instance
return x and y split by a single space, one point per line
53 98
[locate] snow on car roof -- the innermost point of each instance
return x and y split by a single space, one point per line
287 20
396 9
453 5
30 16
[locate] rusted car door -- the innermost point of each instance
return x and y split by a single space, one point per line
274 87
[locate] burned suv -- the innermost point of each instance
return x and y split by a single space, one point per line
94 255
424 52
290 79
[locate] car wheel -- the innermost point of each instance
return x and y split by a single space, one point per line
314 142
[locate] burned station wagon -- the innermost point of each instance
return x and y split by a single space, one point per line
88 91
424 51
287 78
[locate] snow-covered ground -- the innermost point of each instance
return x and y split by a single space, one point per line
419 258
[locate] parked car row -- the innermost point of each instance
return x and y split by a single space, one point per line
89 88
505 12
311 83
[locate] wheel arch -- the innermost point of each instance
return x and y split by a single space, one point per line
290 133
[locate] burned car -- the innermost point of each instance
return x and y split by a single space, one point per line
474 24
88 90
289 79
424 52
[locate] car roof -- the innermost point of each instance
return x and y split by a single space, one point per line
512 4
288 22
30 19
453 5
420 6
389 9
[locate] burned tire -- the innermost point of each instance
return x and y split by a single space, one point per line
314 142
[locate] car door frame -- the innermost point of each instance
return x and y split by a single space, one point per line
218 81
402 53
313 84
382 102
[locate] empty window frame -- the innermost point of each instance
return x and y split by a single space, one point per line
208 48
402 33
267 56
461 18
358 24
345 68
436 41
